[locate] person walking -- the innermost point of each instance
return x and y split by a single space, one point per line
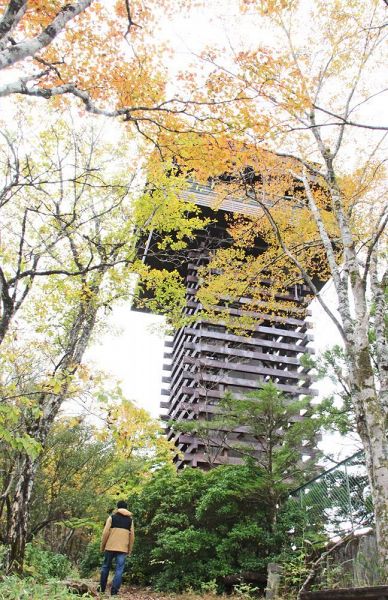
117 542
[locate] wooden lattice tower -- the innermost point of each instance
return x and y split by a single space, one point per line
204 359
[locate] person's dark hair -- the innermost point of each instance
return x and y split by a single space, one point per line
122 504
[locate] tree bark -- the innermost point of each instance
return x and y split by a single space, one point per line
371 425
15 53
368 398
19 516
50 403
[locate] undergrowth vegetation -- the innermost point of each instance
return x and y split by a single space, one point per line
16 588
208 527
42 564
43 572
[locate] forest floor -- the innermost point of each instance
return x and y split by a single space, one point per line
138 593
135 593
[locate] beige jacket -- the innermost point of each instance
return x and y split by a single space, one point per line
118 538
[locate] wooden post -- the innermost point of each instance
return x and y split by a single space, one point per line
273 581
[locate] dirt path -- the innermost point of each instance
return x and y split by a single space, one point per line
134 593
126 592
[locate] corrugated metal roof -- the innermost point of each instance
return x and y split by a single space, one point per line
204 195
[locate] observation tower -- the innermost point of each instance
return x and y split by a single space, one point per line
204 360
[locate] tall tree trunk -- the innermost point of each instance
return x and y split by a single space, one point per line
19 517
372 428
369 405
377 463
39 428
367 395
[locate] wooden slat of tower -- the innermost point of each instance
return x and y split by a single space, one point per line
206 359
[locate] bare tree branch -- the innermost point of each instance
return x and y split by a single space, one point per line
382 223
14 54
11 17
346 121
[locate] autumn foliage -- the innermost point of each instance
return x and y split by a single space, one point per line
287 120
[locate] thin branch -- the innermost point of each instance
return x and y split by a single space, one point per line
131 23
380 230
345 121
313 571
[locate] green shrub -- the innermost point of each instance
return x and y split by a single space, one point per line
3 552
195 528
43 564
91 559
245 591
14 588
209 587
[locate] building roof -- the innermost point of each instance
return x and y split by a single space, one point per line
204 195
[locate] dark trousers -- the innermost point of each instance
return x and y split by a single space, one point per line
120 557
